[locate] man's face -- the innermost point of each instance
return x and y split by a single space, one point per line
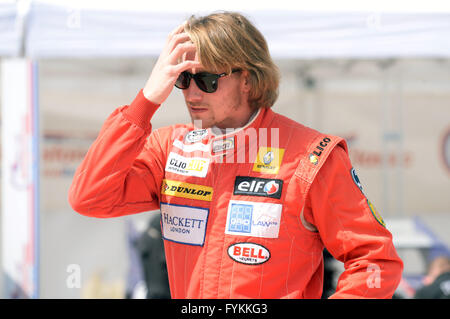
227 107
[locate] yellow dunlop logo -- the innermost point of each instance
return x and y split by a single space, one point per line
186 190
268 160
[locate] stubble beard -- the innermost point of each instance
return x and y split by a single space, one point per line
228 122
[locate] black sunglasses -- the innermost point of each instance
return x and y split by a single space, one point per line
207 82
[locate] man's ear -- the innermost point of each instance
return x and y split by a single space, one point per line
245 81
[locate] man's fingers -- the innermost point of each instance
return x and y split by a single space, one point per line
181 49
178 29
177 39
186 65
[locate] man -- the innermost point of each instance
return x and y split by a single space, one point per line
249 198
437 281
151 252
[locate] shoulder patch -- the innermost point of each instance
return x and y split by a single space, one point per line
318 149
356 179
315 155
375 214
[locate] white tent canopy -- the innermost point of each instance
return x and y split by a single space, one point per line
10 30
84 29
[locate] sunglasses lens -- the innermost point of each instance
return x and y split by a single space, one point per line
183 81
206 82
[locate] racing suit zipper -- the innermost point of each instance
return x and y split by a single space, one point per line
215 180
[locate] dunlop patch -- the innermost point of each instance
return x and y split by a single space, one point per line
186 190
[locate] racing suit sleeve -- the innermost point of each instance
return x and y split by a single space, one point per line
352 232
122 171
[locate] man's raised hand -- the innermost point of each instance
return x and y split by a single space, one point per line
169 65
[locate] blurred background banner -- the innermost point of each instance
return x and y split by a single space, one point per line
20 179
376 74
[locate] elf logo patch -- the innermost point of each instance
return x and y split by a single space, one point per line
254 186
249 253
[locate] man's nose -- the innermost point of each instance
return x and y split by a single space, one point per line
193 93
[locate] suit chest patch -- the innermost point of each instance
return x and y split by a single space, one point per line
184 224
187 166
256 219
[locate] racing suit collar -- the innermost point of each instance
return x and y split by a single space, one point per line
217 132
240 139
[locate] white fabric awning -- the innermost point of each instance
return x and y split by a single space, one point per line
10 30
54 30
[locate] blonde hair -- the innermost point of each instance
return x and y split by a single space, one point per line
228 40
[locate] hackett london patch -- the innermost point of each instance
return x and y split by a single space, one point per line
184 224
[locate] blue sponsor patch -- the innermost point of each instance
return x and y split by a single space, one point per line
356 179
240 218
257 219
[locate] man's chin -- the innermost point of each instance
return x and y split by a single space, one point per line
200 123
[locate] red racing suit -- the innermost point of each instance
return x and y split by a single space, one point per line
246 214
